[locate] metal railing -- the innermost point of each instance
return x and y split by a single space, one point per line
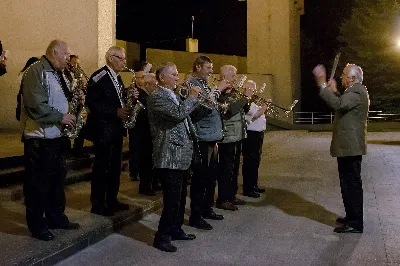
328 118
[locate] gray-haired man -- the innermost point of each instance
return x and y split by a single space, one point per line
348 139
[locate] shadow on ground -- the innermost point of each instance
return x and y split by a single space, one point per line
294 205
384 142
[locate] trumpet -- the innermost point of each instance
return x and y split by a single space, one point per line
133 105
206 99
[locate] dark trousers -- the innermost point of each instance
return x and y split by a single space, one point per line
174 185
133 154
145 169
106 173
351 188
228 170
202 186
252 151
45 172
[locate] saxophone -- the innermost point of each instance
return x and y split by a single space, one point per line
76 106
133 105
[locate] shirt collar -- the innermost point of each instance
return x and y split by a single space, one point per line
115 75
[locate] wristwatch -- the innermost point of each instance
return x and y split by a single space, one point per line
323 86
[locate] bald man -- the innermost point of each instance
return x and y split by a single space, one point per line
348 139
45 113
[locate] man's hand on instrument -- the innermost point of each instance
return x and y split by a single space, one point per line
69 119
135 93
195 91
332 85
123 113
320 75
223 85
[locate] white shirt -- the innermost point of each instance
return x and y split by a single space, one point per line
257 125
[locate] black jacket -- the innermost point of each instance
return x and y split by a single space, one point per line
103 102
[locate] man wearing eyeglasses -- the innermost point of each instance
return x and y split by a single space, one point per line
348 139
105 101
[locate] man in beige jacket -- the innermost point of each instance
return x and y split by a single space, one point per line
348 139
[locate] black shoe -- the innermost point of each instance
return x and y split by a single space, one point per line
259 190
237 201
133 178
200 224
213 216
347 229
341 220
157 188
102 211
67 226
251 194
119 206
164 246
44 235
148 192
226 205
183 236
80 155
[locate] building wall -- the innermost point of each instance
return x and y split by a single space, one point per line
273 45
27 27
184 60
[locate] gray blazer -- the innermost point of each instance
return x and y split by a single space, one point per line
172 143
350 125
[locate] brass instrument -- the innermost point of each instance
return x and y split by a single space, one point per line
272 109
133 105
76 106
205 99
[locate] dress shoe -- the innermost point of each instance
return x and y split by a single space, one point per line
164 246
119 206
134 178
157 188
251 194
237 201
226 205
66 226
102 211
213 216
200 224
341 220
259 190
183 236
148 192
44 235
347 229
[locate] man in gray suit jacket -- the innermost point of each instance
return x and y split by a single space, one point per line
348 139
173 135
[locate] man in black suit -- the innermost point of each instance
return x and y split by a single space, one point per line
105 101
140 134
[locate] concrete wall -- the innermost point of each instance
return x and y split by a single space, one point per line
273 45
27 27
184 60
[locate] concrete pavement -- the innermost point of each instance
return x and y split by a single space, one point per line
292 223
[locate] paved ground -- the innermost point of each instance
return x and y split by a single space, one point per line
292 223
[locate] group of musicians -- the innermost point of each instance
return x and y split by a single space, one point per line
203 133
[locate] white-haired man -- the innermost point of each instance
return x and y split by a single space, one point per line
348 139
105 101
